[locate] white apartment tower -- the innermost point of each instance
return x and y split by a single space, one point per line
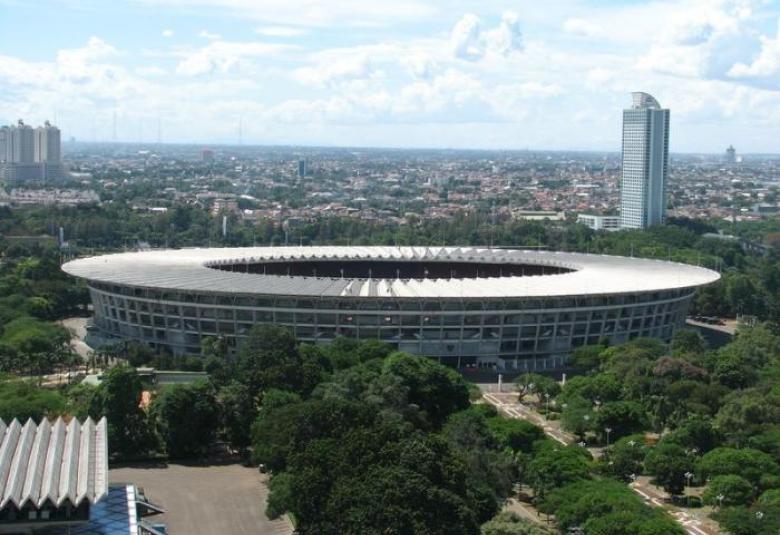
645 163
28 153
47 144
22 143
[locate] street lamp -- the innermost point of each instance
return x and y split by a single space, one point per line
547 413
720 497
688 477
608 430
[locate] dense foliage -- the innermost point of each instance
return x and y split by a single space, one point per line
717 413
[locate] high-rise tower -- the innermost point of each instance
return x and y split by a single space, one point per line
47 144
645 163
731 154
22 143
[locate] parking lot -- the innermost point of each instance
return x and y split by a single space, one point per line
205 500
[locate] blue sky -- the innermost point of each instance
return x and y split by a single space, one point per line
407 73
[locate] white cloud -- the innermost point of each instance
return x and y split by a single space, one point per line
765 64
335 69
507 38
209 35
583 28
167 33
280 31
222 56
464 38
360 13
703 39
468 41
150 71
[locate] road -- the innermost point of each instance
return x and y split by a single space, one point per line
507 403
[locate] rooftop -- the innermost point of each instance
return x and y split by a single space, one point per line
60 462
204 270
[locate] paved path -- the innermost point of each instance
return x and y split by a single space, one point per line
523 510
506 402
206 500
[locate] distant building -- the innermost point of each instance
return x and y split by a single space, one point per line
301 168
30 154
22 149
224 205
645 163
599 222
47 144
539 215
207 155
731 154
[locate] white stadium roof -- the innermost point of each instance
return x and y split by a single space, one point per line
57 462
187 270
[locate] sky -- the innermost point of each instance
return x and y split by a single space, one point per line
489 74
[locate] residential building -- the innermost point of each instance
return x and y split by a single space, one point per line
30 154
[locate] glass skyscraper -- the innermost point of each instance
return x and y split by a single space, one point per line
645 163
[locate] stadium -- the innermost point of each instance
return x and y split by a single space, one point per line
502 308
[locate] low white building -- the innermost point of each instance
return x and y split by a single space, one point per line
599 222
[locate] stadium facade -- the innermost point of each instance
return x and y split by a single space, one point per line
512 309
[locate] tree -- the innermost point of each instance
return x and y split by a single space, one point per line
118 398
587 357
22 400
517 435
688 342
187 418
602 387
749 463
606 507
238 413
697 432
508 523
272 358
489 470
668 463
644 523
622 417
373 349
556 466
578 416
728 490
770 497
540 385
437 390
626 457
758 520
394 499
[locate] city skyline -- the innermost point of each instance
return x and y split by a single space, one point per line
418 75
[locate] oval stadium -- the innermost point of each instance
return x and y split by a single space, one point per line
503 308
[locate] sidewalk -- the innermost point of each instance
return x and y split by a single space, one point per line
691 520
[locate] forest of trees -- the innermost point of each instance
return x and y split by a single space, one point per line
361 439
